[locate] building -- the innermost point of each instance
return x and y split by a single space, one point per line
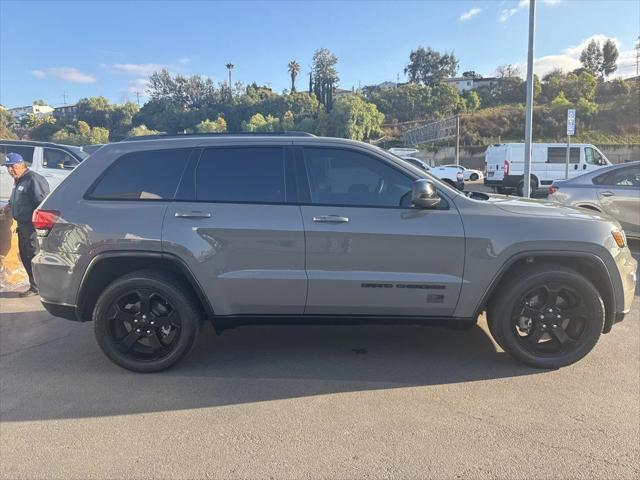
37 110
68 112
464 84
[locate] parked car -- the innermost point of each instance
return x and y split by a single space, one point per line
504 164
453 176
613 190
469 174
51 160
150 238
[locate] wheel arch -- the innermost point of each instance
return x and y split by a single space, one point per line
589 265
106 267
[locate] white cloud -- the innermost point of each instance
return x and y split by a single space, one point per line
69 74
138 69
506 13
569 59
184 61
469 14
139 85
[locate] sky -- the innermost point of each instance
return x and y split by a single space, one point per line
61 51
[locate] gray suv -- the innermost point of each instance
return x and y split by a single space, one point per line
150 238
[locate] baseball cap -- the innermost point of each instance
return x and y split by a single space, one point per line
13 159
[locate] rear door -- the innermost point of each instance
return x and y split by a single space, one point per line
236 226
619 196
368 251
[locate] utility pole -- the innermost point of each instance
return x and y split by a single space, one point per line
138 97
528 129
458 139
64 98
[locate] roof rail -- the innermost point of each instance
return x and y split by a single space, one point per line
161 136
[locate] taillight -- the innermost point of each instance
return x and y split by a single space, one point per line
552 189
505 167
44 220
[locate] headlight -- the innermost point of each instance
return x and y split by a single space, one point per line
459 176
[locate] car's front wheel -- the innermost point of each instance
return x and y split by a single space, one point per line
547 316
473 177
146 321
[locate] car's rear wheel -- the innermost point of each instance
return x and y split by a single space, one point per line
547 316
534 187
146 321
473 177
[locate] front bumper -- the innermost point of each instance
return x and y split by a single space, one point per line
68 312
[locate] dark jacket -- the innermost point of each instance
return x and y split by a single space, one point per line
28 192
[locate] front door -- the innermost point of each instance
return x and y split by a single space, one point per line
233 226
368 251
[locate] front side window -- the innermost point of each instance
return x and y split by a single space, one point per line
593 157
346 177
241 175
58 159
148 175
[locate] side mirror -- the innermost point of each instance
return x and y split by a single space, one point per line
424 194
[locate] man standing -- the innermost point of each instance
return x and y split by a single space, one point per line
29 190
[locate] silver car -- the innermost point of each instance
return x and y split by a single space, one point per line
613 190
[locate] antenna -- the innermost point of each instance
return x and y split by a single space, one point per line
64 98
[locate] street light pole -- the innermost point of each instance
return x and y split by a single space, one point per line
529 108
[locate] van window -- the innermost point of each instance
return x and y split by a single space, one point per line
559 155
241 175
149 175
25 151
593 157
58 159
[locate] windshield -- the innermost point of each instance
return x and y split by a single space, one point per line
78 152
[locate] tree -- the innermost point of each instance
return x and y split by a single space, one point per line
325 76
354 118
39 102
42 127
428 67
260 123
80 133
508 71
609 58
7 123
218 125
142 130
592 58
294 70
560 103
471 74
472 100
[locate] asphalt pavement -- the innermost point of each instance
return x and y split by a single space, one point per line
314 402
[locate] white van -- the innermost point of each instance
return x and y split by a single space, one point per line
504 164
51 160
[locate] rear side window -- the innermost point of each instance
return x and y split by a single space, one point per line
26 152
559 155
149 175
621 177
241 175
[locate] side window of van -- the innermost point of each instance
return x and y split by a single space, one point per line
559 155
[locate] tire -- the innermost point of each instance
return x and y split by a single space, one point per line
520 188
540 332
473 177
146 321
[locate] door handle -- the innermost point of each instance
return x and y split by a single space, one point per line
575 167
584 167
330 219
192 215
607 193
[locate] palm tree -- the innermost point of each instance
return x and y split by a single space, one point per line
294 70
230 67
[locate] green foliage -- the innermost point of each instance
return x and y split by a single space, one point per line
352 117
600 61
446 100
80 133
560 103
141 130
99 112
325 76
218 125
586 109
42 128
260 123
607 91
609 58
472 100
39 102
7 123
428 67
294 70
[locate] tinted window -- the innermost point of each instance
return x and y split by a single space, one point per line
242 174
58 159
26 152
345 177
623 177
151 175
559 155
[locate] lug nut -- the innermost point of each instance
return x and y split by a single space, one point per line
554 326
152 322
137 330
148 332
541 317
544 325
144 317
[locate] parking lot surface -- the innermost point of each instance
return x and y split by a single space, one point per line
314 402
